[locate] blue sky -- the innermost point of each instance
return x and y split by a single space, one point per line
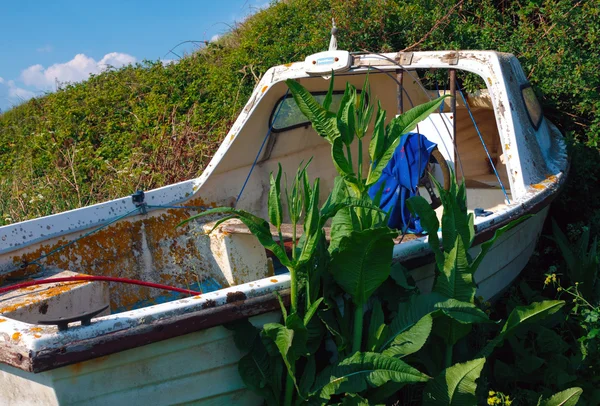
45 41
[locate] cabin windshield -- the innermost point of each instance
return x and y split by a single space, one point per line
467 138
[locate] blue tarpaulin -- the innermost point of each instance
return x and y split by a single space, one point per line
400 180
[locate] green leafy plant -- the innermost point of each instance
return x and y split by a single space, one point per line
370 362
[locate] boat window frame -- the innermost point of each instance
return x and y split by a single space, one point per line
535 125
304 123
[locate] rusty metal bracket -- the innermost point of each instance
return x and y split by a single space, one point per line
63 322
451 58
404 58
138 199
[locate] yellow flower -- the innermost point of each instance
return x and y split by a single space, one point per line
507 402
491 393
492 401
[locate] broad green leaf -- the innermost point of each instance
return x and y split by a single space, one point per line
523 315
398 274
281 305
409 313
342 225
364 109
308 376
378 166
485 247
568 397
323 121
342 165
352 399
346 115
329 95
360 372
455 219
260 373
378 140
274 204
312 310
282 337
300 337
455 279
455 386
430 223
244 333
408 121
377 327
450 330
411 340
362 262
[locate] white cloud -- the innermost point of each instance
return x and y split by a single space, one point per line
77 69
215 38
45 48
166 62
1 79
17 93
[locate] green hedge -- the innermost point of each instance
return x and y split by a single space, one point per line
149 125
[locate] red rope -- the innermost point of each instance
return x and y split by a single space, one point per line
89 278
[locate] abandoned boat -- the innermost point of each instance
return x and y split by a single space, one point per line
78 341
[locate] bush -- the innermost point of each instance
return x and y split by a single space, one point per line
149 125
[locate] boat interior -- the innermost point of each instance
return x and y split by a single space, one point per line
146 247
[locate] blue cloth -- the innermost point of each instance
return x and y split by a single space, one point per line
400 180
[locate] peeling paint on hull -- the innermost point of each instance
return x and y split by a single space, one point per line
135 346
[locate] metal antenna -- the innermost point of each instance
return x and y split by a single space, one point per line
333 40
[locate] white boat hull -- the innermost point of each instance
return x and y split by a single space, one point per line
201 367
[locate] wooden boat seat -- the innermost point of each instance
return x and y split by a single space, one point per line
237 227
37 303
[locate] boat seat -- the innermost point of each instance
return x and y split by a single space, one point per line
237 227
52 301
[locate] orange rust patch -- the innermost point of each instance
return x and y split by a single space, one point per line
274 280
37 335
287 65
538 186
2 320
16 336
76 367
197 297
552 178
264 89
114 251
35 329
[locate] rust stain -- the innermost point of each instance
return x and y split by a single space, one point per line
76 368
16 336
197 297
44 308
235 296
208 304
287 65
552 178
274 280
538 186
37 335
37 329
116 251
506 147
264 89
2 320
